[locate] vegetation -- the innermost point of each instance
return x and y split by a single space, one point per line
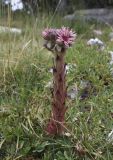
25 101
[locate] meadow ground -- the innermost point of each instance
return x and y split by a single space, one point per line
25 99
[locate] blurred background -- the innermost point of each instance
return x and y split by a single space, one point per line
63 6
99 10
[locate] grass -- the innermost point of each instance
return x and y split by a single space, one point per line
25 102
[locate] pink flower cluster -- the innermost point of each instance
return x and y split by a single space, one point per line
49 34
58 39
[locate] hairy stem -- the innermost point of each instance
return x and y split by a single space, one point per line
56 123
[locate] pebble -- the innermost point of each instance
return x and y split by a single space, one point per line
95 41
72 92
15 4
111 53
111 36
11 30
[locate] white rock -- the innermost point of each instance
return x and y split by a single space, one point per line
111 53
91 42
12 30
16 5
95 42
72 92
111 36
99 42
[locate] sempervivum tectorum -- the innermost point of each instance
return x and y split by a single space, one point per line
58 41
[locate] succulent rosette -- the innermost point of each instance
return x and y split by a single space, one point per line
58 40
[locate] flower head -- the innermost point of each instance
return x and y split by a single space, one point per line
65 37
58 40
49 34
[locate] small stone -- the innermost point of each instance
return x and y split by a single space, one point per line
72 92
91 42
111 53
111 36
96 42
15 4
11 30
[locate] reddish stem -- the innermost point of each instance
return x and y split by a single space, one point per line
56 123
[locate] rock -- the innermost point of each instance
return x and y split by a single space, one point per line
11 30
111 61
72 92
15 4
96 42
100 15
111 36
